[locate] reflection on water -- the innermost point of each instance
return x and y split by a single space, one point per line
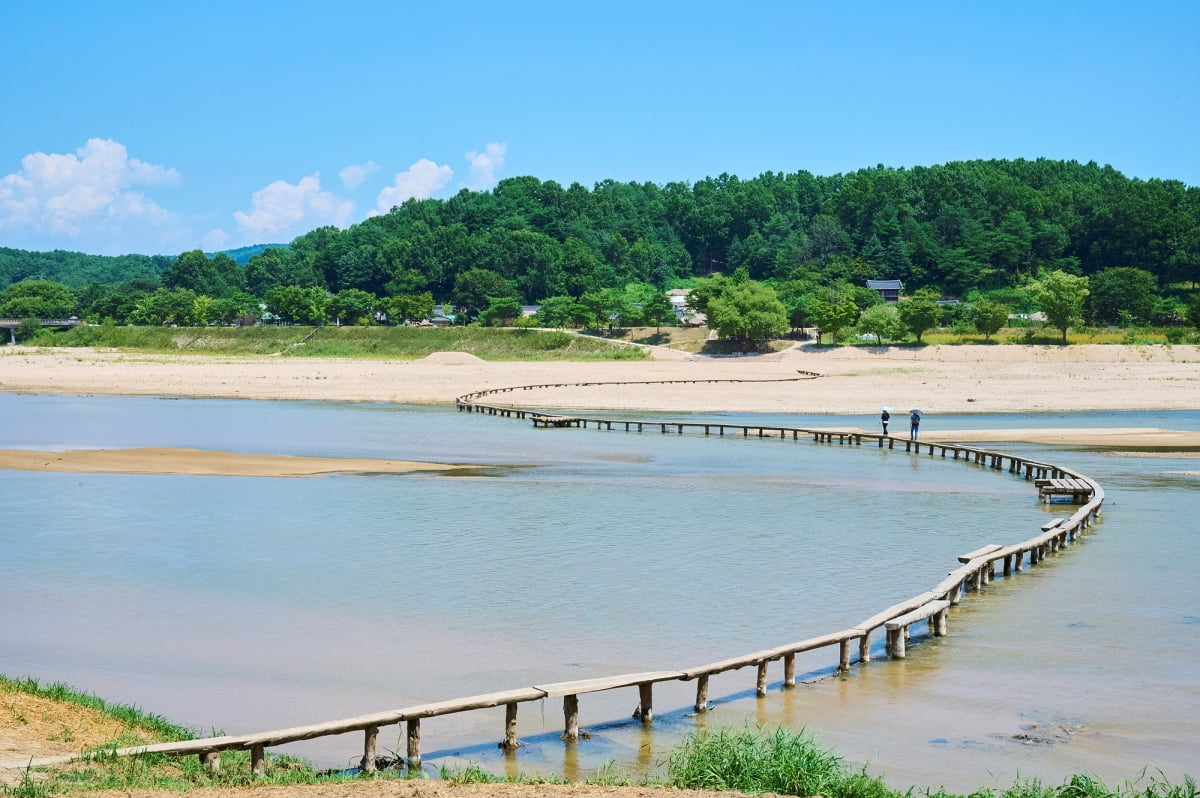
251 603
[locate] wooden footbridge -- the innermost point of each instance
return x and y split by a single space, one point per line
976 569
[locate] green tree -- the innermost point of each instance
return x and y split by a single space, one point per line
501 311
988 317
27 329
648 306
1192 308
235 306
410 307
296 305
604 308
1060 296
352 306
705 289
557 311
37 299
920 312
1118 290
204 310
748 311
214 277
166 306
882 321
659 311
277 267
474 288
832 315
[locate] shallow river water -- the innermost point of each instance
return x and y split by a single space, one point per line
245 604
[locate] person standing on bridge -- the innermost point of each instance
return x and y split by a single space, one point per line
914 424
884 418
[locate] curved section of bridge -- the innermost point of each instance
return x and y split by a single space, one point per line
974 571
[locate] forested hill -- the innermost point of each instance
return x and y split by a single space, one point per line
954 227
963 225
77 269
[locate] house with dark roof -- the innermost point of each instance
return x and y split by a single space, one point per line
888 289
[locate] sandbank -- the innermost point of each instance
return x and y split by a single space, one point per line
199 462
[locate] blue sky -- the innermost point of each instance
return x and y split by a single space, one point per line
159 127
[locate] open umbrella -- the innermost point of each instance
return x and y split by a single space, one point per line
915 412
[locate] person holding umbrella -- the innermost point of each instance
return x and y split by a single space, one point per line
914 424
885 418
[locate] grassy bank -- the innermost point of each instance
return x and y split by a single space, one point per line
748 760
398 343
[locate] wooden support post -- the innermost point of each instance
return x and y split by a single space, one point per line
646 702
864 647
898 638
844 656
571 717
368 759
701 704
761 684
789 670
413 732
212 761
258 760
939 623
510 743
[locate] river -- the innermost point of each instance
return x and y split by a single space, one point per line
243 604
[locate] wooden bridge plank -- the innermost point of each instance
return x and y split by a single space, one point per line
605 683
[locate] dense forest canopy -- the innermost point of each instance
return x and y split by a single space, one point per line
953 229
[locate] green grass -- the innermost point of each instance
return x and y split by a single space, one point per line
399 343
156 725
754 761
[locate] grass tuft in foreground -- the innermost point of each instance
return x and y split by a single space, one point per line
753 761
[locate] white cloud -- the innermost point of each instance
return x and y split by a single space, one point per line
419 181
81 193
485 165
354 174
283 207
215 240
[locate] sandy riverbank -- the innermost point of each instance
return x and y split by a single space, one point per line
854 382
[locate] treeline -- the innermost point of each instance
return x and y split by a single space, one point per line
963 229
75 269
980 225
